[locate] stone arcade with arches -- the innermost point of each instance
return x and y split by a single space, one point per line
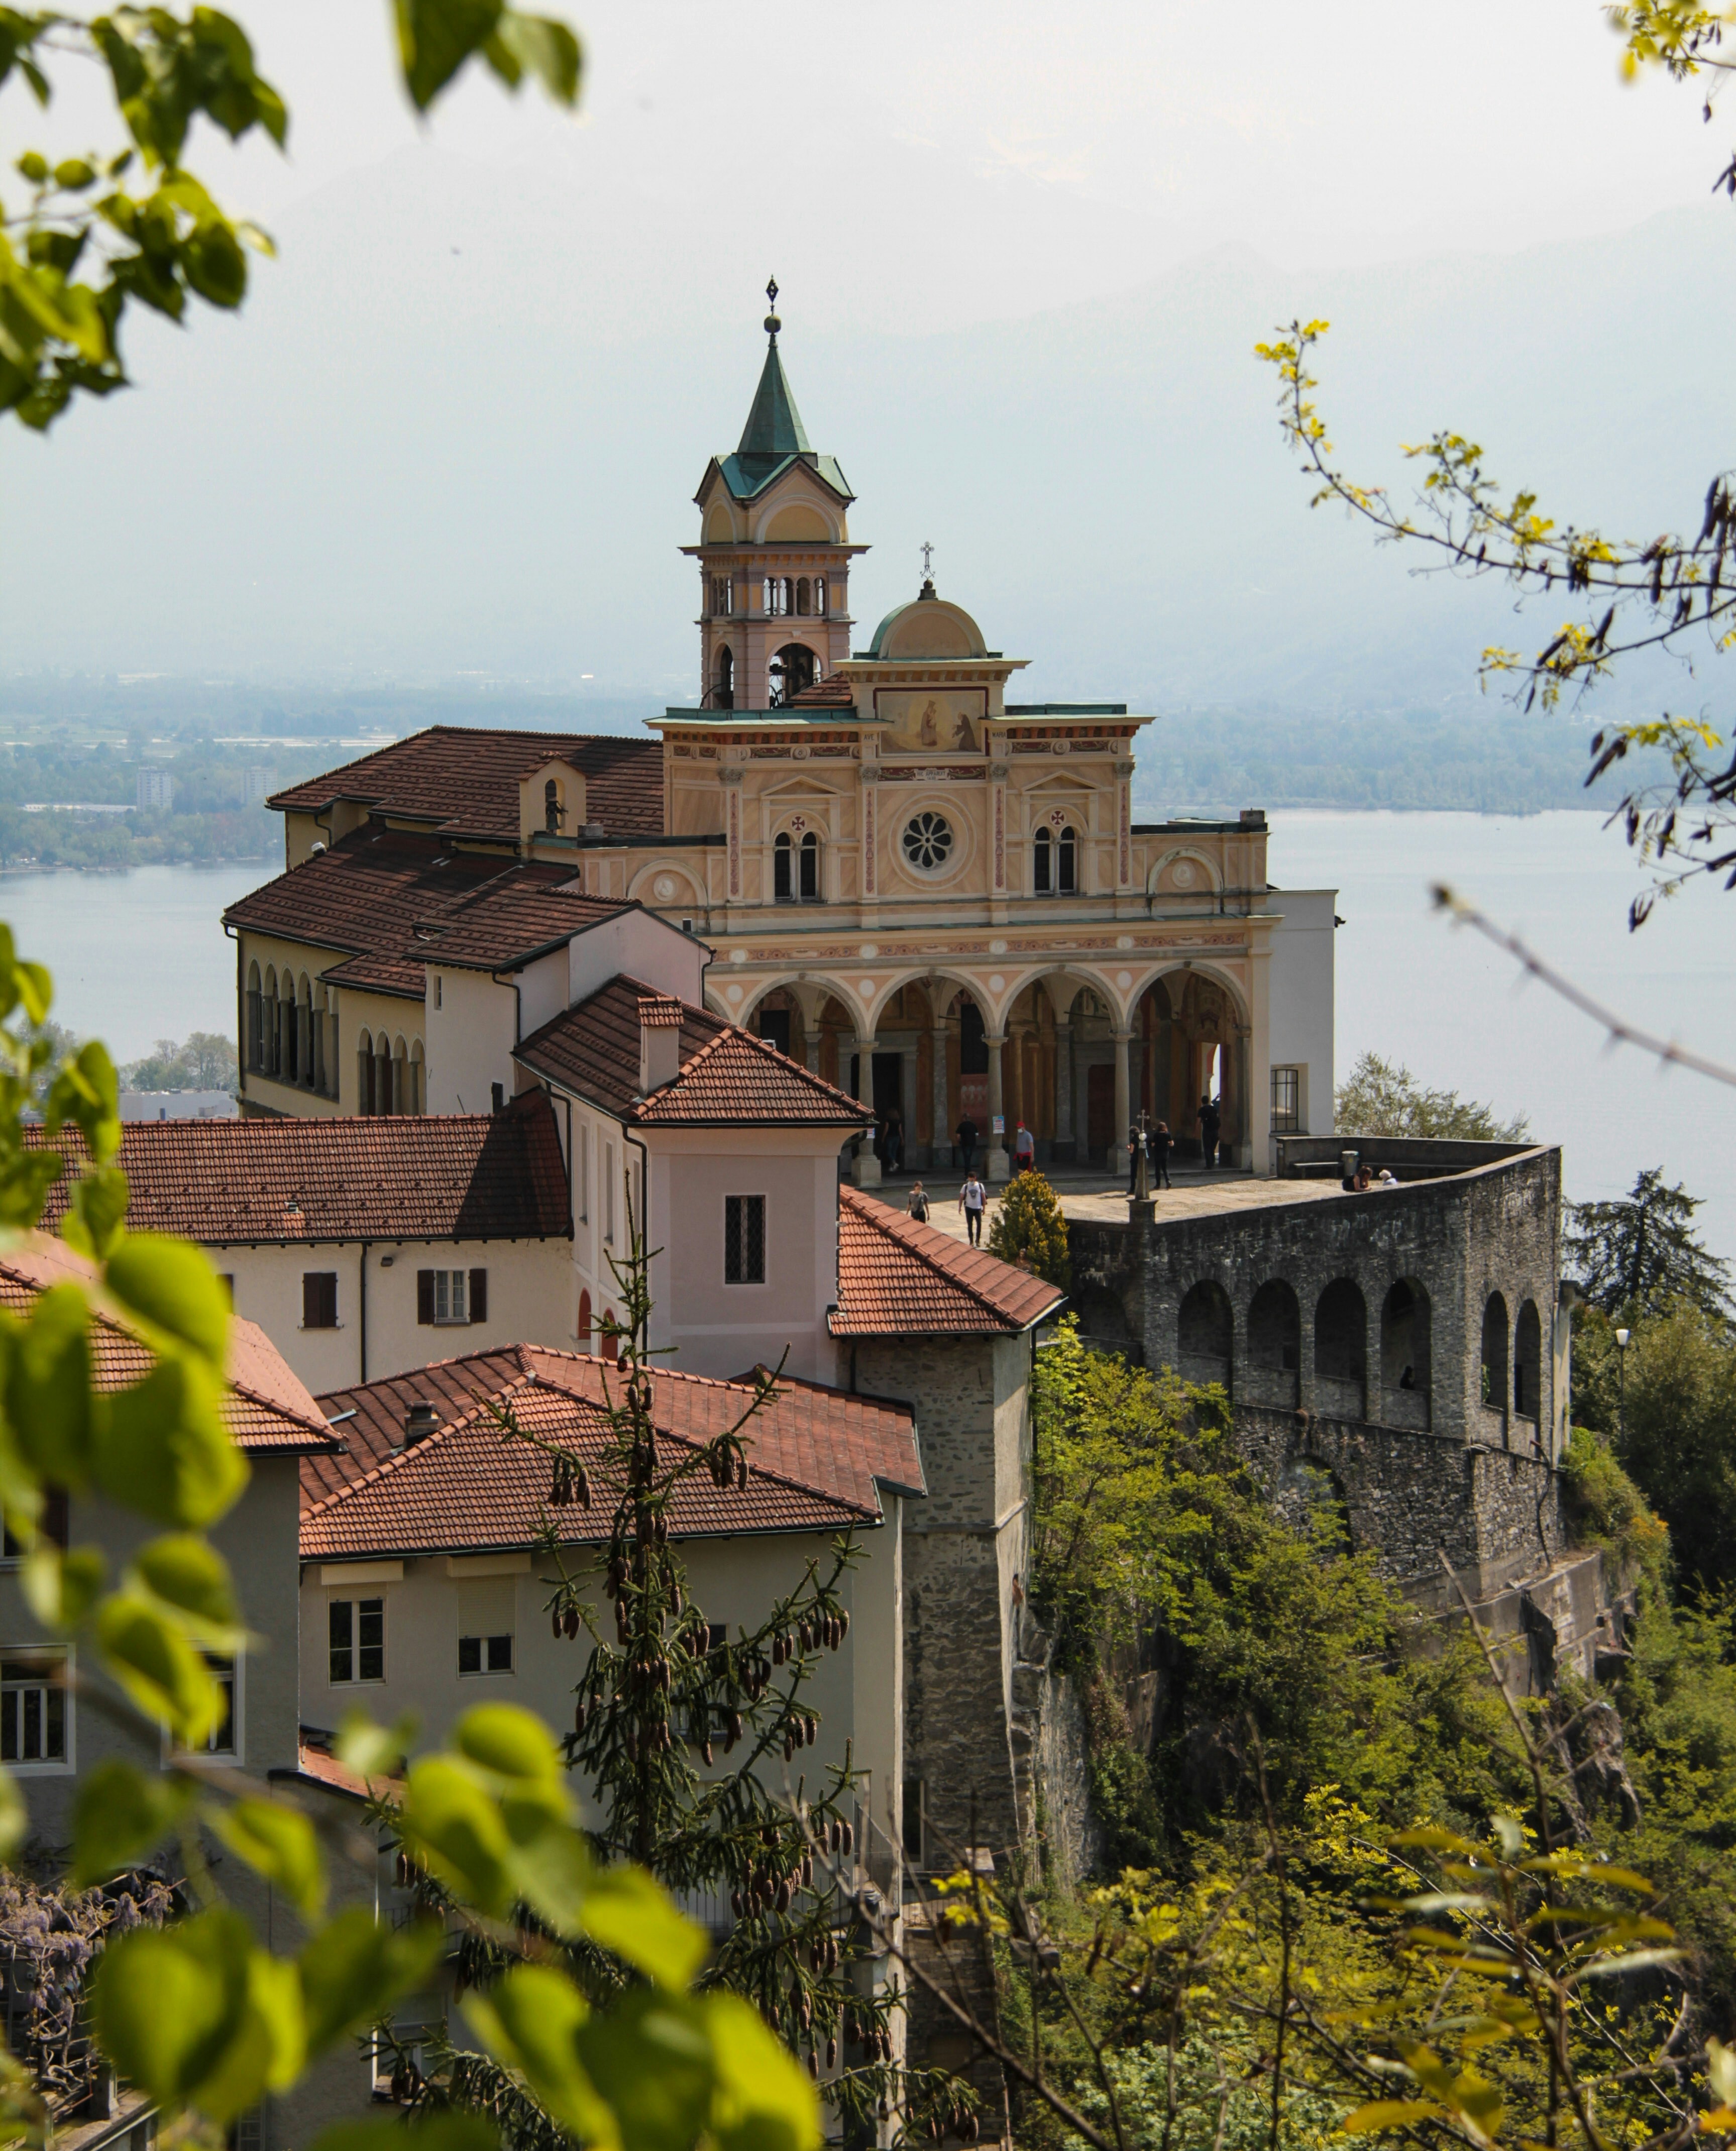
935 897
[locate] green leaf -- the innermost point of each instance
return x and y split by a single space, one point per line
540 46
14 1816
165 1451
650 2059
214 263
456 1826
150 1655
281 1844
62 1589
74 173
435 38
530 2021
446 2131
762 2101
98 1213
513 1744
189 1574
120 1817
374 1751
87 1091
356 1967
33 168
625 1911
1386 2114
48 1398
171 1284
196 2015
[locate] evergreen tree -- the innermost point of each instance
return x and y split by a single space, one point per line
1029 1227
1631 1256
663 1697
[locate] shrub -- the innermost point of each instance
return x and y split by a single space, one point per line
1029 1228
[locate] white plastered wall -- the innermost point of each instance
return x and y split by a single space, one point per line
1301 1017
643 946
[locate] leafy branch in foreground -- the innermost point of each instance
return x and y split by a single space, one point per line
1635 597
168 241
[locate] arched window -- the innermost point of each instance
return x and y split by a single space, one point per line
553 811
780 596
611 1343
291 1065
400 1060
1528 1363
1067 879
1205 1334
1405 1349
723 689
1274 1344
791 670
782 884
820 595
1341 1350
271 1020
382 1074
364 1073
1055 852
306 1046
804 595
255 1020
1495 1353
585 1320
810 868
417 1102
1042 851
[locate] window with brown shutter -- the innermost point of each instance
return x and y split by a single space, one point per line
319 1300
479 1295
424 1295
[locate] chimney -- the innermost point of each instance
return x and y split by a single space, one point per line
497 1093
659 1042
420 1421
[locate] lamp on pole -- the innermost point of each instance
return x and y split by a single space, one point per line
1621 1336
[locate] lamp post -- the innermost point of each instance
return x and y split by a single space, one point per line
1621 1336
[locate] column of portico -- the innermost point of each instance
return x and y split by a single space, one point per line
1123 1094
1064 1146
998 1165
868 1165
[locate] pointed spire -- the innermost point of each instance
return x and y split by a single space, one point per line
774 424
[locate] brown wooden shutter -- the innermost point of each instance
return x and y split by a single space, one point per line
310 1299
424 1295
479 1295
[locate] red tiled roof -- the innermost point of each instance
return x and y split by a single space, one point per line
318 1766
449 1176
831 692
392 898
465 781
838 1447
895 1277
267 1406
727 1076
469 1487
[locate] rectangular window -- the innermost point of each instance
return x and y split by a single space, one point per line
226 1278
319 1300
223 1741
357 1632
744 1239
32 1708
913 1820
581 1174
55 1526
485 1654
609 1192
452 1296
1286 1101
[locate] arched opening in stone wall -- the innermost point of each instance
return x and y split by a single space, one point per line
1195 1044
723 680
1528 1363
1274 1345
1341 1351
1205 1334
1494 1353
364 1073
382 1075
792 669
1405 1325
255 1020
777 1020
585 1320
1103 1321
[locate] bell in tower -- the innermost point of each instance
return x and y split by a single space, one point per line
774 555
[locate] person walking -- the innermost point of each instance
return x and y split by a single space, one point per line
966 1138
1133 1160
1158 1145
918 1206
1024 1149
973 1199
1211 1121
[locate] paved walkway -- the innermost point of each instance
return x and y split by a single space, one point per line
1094 1194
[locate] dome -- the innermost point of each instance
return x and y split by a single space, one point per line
928 627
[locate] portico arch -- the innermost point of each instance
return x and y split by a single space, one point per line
1197 1036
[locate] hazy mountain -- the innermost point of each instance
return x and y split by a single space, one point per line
453 440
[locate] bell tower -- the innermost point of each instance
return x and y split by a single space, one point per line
774 555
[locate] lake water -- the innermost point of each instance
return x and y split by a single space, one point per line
141 956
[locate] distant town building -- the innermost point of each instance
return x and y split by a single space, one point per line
257 785
179 1106
156 788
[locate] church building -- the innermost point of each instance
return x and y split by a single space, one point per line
934 896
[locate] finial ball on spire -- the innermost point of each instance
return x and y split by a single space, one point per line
773 323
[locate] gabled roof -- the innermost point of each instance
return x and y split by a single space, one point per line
394 900
897 1278
255 1181
467 1488
267 1409
845 1447
728 1077
464 781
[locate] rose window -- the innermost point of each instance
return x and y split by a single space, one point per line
928 841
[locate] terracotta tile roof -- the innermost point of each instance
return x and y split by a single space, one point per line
390 898
830 693
449 1176
467 1488
465 782
841 1448
727 1076
895 1275
268 1407
318 1766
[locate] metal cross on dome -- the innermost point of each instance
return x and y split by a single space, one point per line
928 563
